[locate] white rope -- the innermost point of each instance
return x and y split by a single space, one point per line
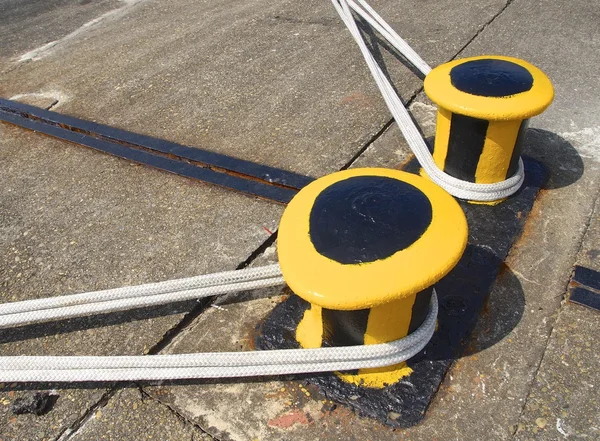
119 299
456 187
252 363
199 365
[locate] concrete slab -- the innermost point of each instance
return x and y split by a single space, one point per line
391 150
133 416
69 408
32 24
281 83
73 220
261 408
484 395
181 88
564 399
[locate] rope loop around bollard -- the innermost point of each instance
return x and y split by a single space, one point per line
198 365
456 187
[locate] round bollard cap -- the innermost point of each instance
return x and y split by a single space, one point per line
490 87
364 237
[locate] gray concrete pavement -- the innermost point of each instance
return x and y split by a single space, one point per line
564 399
130 414
27 25
279 83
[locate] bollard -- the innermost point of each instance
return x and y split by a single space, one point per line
364 247
484 106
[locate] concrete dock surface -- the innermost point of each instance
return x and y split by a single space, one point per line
278 83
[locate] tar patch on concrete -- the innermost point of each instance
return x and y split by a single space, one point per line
584 288
585 297
587 277
462 295
38 403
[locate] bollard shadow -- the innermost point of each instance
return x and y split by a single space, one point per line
562 160
480 293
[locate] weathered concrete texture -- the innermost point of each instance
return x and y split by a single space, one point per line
70 406
133 416
544 33
589 255
281 83
73 220
31 24
564 400
262 408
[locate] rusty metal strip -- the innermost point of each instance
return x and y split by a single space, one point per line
246 183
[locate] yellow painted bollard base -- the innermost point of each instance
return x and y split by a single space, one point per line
365 247
484 106
384 323
377 378
461 295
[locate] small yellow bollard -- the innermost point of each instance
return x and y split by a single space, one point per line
364 247
484 106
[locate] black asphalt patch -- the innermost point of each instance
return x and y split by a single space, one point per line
462 295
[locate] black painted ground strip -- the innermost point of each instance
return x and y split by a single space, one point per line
585 297
237 174
586 276
584 288
462 295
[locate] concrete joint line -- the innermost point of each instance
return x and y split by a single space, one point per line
484 27
563 303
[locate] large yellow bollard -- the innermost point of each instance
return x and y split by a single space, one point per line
364 247
484 105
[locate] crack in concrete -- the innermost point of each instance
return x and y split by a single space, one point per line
386 125
166 339
178 415
76 427
484 27
560 309
54 103
174 411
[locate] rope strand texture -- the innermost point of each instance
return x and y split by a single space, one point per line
217 364
127 297
456 187
253 363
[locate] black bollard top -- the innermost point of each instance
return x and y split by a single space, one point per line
490 88
363 237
